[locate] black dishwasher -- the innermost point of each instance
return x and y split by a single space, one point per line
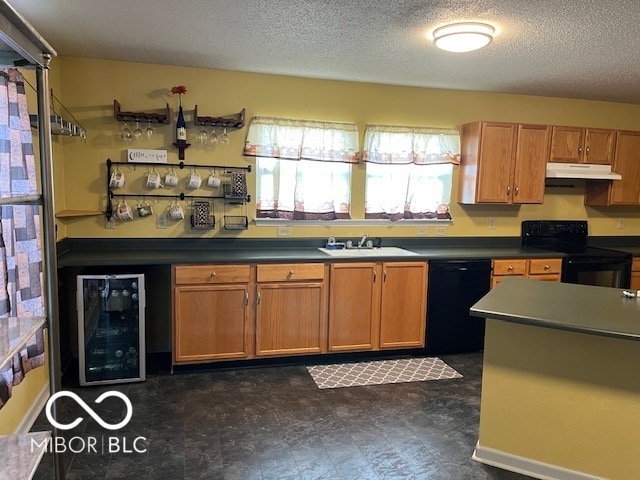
453 287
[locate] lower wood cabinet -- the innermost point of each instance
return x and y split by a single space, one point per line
291 309
236 311
377 305
354 311
211 313
547 269
635 274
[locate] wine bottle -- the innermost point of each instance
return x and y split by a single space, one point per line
181 128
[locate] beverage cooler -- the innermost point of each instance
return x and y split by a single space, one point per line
111 345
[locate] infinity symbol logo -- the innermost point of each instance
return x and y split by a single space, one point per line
89 410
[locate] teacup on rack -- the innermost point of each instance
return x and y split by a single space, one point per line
171 179
214 180
144 209
117 179
194 180
175 211
124 212
153 179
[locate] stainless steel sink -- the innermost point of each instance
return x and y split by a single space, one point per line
369 252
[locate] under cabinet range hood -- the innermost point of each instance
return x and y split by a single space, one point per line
581 170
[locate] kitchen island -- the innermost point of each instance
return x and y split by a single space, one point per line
561 381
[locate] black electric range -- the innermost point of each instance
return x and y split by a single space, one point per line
581 264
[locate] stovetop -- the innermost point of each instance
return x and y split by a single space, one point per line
566 236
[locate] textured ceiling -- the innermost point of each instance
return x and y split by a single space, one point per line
563 48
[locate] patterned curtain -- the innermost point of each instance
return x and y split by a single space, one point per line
403 145
409 171
303 167
20 246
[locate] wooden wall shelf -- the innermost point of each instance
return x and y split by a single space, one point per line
234 122
140 116
78 213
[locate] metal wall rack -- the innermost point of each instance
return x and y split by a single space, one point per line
232 222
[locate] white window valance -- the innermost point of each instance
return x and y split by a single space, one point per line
291 139
391 144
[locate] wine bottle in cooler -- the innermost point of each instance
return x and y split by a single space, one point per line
181 127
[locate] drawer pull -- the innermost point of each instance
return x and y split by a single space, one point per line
290 272
510 268
547 267
214 274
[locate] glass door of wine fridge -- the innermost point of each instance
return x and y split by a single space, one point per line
111 344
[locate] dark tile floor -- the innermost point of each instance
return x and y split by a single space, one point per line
272 423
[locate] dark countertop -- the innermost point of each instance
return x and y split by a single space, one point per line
563 306
267 255
82 252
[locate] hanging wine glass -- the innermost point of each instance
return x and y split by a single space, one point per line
224 138
137 133
125 133
149 130
202 135
213 137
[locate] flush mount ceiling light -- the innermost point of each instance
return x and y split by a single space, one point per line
463 36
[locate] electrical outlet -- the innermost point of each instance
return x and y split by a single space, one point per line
161 220
422 231
284 231
110 222
621 223
491 223
441 231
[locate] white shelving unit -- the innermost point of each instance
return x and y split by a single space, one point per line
21 46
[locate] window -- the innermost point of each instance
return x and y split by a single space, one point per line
303 167
409 171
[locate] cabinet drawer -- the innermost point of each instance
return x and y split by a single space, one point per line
197 274
509 267
285 272
543 266
636 264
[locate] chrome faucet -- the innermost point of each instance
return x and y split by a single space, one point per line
363 241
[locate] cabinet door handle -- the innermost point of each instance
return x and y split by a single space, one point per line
258 299
384 276
508 189
579 149
246 298
516 190
374 276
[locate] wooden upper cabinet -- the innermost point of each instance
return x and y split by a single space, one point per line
531 163
503 163
581 145
626 162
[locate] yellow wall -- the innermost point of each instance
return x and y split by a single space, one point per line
562 398
89 87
